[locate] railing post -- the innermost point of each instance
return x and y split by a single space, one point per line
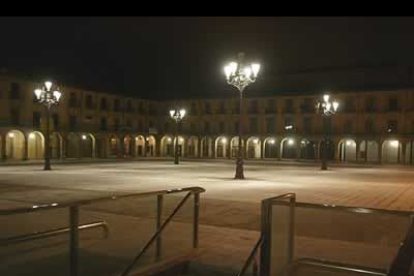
196 218
291 248
74 240
266 235
160 201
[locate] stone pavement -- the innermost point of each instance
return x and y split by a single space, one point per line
230 209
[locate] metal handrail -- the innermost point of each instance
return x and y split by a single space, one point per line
74 226
77 203
251 257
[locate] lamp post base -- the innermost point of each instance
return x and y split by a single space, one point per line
239 169
47 168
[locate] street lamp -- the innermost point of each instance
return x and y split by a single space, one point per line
177 115
326 108
240 76
49 95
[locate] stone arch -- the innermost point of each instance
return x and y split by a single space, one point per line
221 147
113 145
128 145
151 146
167 145
234 146
391 151
307 149
140 146
15 145
288 148
87 147
192 146
206 147
369 151
35 145
270 148
347 150
253 147
409 153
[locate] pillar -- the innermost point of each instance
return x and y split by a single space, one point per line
379 152
26 148
3 147
403 148
366 151
357 149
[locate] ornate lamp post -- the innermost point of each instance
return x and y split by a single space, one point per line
240 76
326 108
177 115
49 95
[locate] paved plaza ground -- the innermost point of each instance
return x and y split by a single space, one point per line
230 209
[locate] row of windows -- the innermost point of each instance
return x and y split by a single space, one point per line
307 106
289 126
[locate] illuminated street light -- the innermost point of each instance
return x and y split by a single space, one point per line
240 76
49 96
177 115
326 108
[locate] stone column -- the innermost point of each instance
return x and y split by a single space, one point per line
358 150
25 148
366 151
199 147
403 148
317 157
121 146
380 152
262 144
3 147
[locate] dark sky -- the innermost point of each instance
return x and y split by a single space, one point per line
173 57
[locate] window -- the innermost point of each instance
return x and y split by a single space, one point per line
392 126
166 127
193 109
140 128
207 108
14 91
289 106
236 127
104 123
193 128
206 127
369 126
152 110
141 109
307 124
116 124
236 108
349 105
117 105
348 126
307 106
253 125
88 102
88 119
270 125
271 106
222 108
129 106
393 104
253 108
36 119
327 124
370 104
72 122
104 104
129 123
72 99
150 124
55 118
222 127
15 117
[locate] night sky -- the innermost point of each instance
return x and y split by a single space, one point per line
173 57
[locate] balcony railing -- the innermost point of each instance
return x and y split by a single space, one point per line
118 254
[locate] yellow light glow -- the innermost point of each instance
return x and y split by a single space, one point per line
224 140
394 143
11 135
291 142
32 136
83 137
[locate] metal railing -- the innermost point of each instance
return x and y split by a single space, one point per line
399 267
74 227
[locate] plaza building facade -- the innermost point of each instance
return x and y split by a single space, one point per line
369 127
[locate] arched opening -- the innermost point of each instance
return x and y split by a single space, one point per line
330 149
167 146
113 146
307 149
72 146
391 151
270 148
288 148
35 145
253 148
347 150
15 145
150 146
192 147
409 152
128 145
234 145
221 147
369 151
87 145
206 147
140 146
56 145
180 145
1 150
